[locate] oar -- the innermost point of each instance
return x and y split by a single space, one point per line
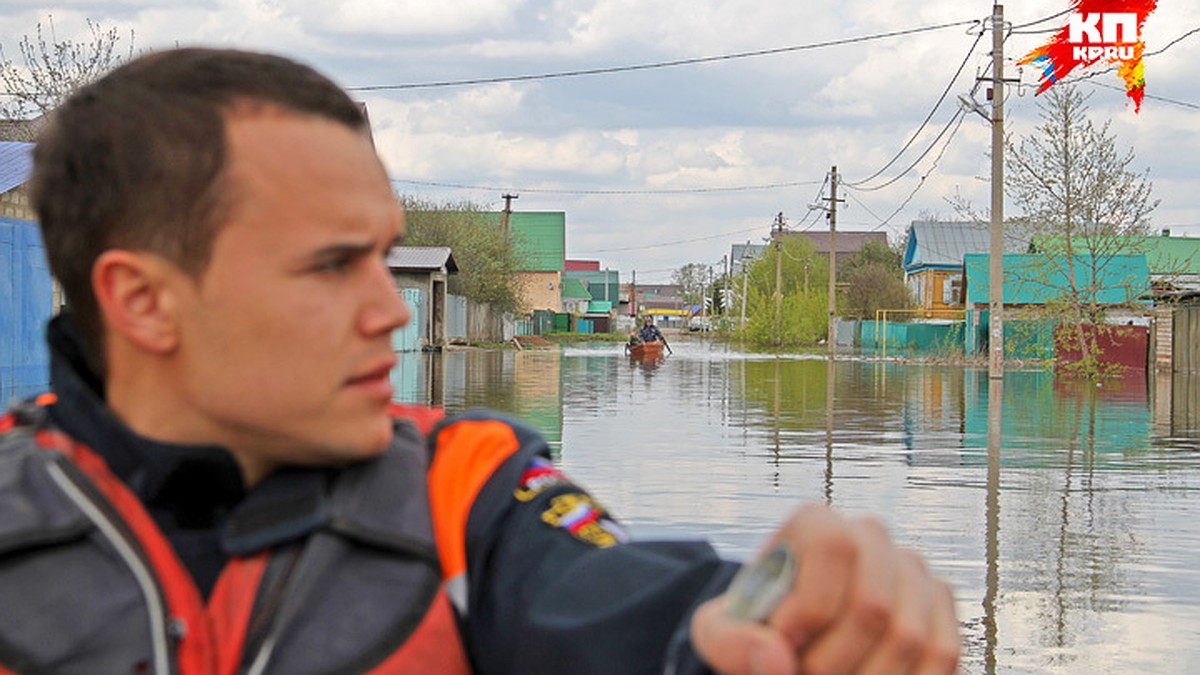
664 339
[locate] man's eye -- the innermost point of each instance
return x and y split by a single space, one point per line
335 266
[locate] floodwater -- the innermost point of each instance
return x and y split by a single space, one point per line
1067 517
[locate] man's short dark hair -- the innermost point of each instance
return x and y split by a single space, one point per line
136 160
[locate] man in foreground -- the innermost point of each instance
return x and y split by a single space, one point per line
220 482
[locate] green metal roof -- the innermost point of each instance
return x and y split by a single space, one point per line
1164 254
540 236
1034 279
1172 255
574 289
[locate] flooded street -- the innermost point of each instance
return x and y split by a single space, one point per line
1067 518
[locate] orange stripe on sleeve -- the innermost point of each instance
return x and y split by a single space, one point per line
468 453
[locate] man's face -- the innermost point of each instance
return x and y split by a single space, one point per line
286 338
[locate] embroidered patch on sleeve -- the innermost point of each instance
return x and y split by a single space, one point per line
539 476
586 520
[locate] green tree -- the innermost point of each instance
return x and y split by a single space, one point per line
870 280
803 305
692 280
1081 204
487 264
52 69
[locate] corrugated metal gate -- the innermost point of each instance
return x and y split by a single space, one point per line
408 338
1186 343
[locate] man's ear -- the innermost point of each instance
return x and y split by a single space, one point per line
136 296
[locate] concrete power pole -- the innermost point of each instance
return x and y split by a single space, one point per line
777 233
745 286
831 337
996 250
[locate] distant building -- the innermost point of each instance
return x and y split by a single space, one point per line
541 241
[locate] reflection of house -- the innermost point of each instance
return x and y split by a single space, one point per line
421 273
26 289
933 261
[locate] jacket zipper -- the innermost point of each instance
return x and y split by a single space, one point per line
124 543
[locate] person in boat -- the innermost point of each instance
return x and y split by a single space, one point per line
649 332
220 482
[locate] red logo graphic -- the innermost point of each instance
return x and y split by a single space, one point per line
1098 31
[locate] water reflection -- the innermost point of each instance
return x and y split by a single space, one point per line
1065 514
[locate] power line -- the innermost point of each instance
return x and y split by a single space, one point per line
936 105
664 64
933 144
671 243
557 191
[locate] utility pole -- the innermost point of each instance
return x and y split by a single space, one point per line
996 250
506 214
745 283
831 337
633 308
726 262
777 234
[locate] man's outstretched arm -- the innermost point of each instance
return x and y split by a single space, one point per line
857 604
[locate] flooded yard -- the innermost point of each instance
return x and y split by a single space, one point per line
1066 515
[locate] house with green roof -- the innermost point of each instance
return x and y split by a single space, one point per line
540 238
575 296
1037 279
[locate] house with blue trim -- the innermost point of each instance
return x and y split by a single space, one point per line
26 289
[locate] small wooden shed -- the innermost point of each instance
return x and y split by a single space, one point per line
426 270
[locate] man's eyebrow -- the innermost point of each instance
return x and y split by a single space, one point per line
341 250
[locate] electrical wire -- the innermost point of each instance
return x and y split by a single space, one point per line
924 122
671 243
557 191
664 64
957 116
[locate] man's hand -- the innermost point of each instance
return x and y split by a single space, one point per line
858 604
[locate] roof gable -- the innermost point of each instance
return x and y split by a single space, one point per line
421 258
574 289
943 244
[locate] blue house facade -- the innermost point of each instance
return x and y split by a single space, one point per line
26 289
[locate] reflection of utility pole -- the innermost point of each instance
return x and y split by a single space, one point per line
995 403
506 214
829 379
777 234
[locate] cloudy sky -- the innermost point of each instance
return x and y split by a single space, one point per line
740 113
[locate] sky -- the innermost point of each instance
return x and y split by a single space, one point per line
706 118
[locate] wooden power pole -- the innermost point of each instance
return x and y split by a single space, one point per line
831 337
506 214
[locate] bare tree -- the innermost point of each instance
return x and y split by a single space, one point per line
51 70
1082 206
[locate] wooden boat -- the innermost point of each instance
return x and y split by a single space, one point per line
645 350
